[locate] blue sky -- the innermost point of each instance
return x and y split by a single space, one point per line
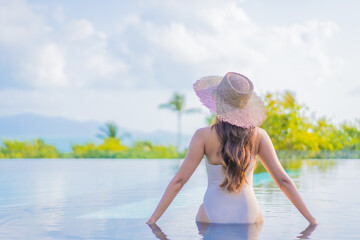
118 60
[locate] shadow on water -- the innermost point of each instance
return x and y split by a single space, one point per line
229 231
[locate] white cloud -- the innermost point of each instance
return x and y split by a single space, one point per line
127 22
207 40
47 69
166 45
72 54
19 25
82 30
178 42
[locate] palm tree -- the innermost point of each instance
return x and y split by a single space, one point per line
110 130
176 103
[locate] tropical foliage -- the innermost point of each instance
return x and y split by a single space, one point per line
110 130
112 148
28 149
295 135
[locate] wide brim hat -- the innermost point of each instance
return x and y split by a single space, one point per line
232 99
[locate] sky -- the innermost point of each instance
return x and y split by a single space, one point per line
119 60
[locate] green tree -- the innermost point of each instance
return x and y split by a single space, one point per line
286 123
176 104
110 130
297 135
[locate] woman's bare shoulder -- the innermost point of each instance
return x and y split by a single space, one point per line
203 132
260 131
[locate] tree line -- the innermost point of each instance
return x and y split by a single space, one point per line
294 132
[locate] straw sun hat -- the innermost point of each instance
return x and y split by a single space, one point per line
232 99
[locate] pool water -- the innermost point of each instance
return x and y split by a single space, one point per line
112 199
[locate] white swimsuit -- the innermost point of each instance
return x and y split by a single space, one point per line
223 207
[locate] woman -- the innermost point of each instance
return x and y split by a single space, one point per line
230 146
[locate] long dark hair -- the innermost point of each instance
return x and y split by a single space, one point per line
237 149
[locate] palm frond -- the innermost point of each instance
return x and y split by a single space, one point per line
100 136
109 130
166 105
104 130
193 110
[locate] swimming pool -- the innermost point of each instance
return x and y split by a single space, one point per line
112 199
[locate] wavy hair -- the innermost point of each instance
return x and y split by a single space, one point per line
236 151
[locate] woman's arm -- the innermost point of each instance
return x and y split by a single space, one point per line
272 164
192 159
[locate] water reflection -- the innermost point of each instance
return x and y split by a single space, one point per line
210 231
307 232
229 231
219 231
158 232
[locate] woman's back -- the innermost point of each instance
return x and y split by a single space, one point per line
219 205
212 145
